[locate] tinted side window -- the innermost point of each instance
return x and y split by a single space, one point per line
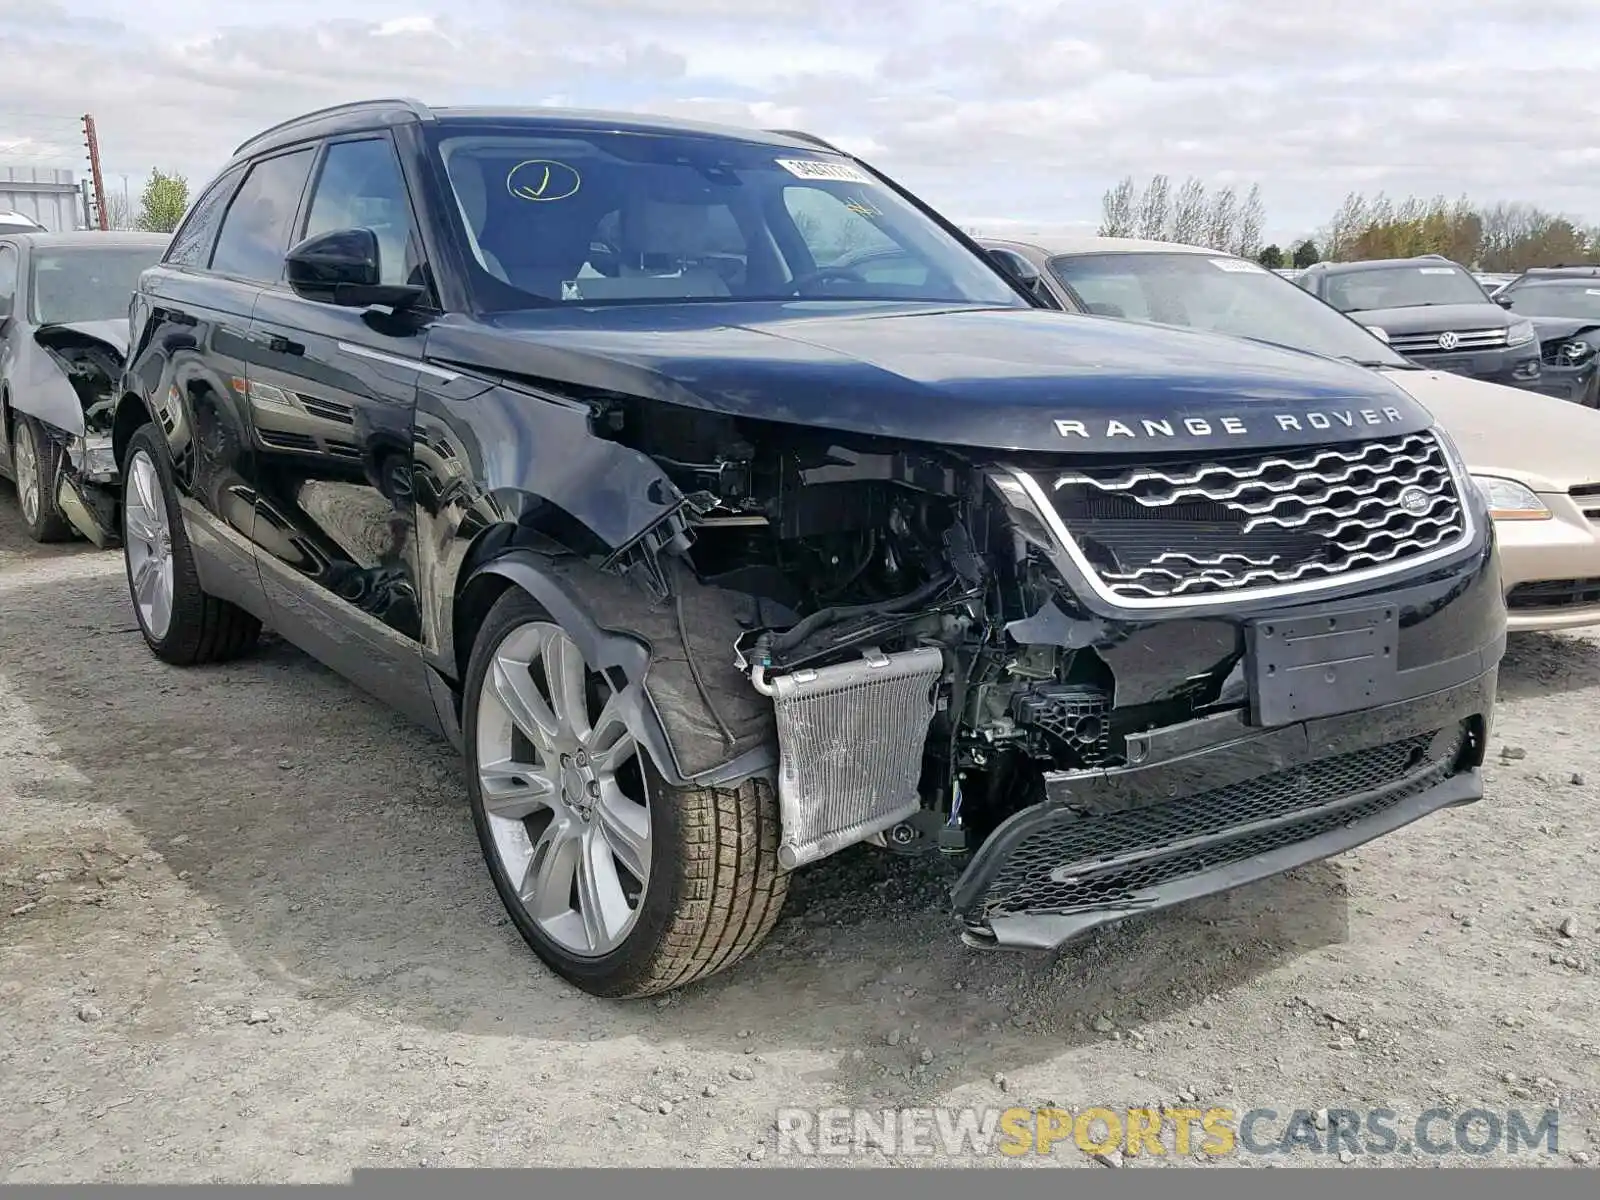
361 187
8 273
191 245
255 233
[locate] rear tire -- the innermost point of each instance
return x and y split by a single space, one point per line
182 624
622 884
36 466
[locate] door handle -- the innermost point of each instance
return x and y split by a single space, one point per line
282 345
173 317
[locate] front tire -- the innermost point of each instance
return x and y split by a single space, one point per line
36 464
181 622
621 884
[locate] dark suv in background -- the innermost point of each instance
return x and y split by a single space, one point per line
728 508
1435 313
1564 305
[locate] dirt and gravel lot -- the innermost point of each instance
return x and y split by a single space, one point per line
245 936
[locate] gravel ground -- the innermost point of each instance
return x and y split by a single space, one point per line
245 936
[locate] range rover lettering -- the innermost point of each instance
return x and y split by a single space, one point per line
728 507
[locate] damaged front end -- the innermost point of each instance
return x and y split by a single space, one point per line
1106 688
72 390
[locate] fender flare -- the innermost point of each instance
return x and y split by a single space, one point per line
559 587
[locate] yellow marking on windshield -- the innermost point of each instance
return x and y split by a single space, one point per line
543 179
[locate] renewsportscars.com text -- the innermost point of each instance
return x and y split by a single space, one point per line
1213 1132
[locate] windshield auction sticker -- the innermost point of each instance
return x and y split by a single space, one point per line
816 168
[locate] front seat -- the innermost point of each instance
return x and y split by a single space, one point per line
662 252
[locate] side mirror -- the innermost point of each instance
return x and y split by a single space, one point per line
1016 266
343 267
1502 301
1379 332
1024 273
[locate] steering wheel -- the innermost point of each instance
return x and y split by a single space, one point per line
848 274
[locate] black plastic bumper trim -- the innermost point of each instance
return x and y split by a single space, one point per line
1047 931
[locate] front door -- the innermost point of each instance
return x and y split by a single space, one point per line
332 396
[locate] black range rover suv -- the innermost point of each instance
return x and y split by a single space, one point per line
728 507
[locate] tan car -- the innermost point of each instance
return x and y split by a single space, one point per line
1536 457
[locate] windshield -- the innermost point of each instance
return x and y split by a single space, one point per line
1405 286
1223 295
583 217
1578 299
84 284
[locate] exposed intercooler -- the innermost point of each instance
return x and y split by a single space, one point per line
850 744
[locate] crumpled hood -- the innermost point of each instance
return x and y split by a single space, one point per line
998 379
1553 329
113 333
1545 442
1436 318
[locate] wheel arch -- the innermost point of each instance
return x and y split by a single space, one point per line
622 635
132 414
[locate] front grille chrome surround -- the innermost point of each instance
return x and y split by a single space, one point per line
1465 339
1242 529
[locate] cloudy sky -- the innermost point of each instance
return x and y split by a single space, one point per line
992 109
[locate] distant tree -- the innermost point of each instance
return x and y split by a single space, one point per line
119 212
1118 210
164 201
1270 257
1306 255
1153 216
1352 217
1223 221
1252 215
1189 213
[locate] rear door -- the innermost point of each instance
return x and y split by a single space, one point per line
333 392
190 325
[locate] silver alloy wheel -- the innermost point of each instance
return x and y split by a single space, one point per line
555 780
147 534
27 470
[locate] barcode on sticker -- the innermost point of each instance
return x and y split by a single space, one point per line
816 168
1235 264
1437 270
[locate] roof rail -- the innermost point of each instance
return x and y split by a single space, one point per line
801 135
415 107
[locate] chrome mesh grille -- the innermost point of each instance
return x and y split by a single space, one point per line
1214 527
850 741
1465 339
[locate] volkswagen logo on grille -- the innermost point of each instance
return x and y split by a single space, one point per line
1449 341
1415 501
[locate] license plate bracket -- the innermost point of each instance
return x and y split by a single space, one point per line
1326 665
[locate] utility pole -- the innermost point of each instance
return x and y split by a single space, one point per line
93 143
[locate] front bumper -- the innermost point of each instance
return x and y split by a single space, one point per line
1239 795
1515 366
1551 569
86 490
1567 382
1107 845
